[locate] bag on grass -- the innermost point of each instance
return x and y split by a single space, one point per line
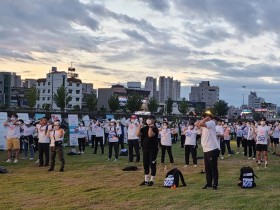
247 177
168 181
3 170
130 168
172 178
124 152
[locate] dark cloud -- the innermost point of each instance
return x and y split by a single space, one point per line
136 35
158 5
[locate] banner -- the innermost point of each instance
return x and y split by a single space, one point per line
86 120
3 130
55 117
39 116
109 116
23 116
73 123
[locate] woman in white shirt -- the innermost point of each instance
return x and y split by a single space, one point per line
166 142
114 134
190 144
82 136
56 145
99 133
28 132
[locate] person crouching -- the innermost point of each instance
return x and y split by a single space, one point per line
56 136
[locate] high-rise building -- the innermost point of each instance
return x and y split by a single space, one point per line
134 85
151 85
176 90
254 101
165 88
204 93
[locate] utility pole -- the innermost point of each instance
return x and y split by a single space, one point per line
243 93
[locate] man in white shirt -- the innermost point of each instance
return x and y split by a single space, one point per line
133 140
93 132
220 137
211 149
13 135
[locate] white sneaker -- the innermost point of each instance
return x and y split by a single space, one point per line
8 161
222 157
249 158
116 160
237 153
37 161
16 160
194 165
254 158
79 152
265 165
83 152
109 159
31 158
24 158
186 166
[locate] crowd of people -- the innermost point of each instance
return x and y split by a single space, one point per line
149 135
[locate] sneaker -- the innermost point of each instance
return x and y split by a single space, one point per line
237 153
24 158
37 161
206 187
194 165
249 158
151 183
8 161
222 157
16 161
79 152
202 172
144 183
214 187
273 153
31 158
109 159
228 155
51 169
83 152
186 166
254 158
61 169
116 160
265 165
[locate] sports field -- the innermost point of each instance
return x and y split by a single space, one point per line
89 182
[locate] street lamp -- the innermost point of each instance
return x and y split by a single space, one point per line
65 93
243 93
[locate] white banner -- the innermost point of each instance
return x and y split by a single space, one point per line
23 116
56 117
3 130
73 123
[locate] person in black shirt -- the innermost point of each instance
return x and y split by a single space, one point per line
149 144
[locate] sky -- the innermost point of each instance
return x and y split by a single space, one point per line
231 43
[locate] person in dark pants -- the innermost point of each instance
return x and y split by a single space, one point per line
183 137
93 132
43 129
132 139
82 136
165 142
211 149
99 138
190 144
245 138
114 134
149 144
121 139
56 136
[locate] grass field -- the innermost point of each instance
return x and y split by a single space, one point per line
89 182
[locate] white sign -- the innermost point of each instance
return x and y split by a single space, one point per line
23 116
3 130
73 123
56 117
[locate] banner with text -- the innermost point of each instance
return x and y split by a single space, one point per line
73 123
56 117
23 116
3 130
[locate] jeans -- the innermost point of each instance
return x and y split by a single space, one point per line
244 144
183 138
28 143
92 141
82 144
227 143
211 167
133 143
252 148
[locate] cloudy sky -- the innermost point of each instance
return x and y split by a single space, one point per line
231 43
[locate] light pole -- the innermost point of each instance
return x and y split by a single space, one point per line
243 93
65 93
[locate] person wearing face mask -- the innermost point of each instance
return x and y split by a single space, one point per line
149 144
262 133
220 136
245 138
132 139
166 142
227 131
190 144
114 134
56 136
21 142
93 132
99 133
28 132
250 141
275 137
82 137
183 137
13 136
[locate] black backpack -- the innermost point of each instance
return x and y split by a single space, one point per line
247 177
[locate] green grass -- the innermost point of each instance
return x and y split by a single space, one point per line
89 182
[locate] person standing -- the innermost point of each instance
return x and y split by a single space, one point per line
239 133
275 137
190 144
13 136
82 137
99 138
93 132
114 134
211 150
262 133
43 129
132 139
28 141
183 126
56 136
220 137
149 144
227 138
166 142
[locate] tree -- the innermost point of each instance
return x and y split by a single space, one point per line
46 107
134 102
183 106
76 107
114 103
198 109
153 105
60 97
221 108
103 110
32 96
91 101
169 105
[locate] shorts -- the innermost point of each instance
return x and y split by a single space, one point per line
13 143
261 147
275 141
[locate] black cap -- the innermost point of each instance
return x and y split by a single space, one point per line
263 119
151 117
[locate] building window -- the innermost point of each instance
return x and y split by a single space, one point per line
77 92
49 83
43 98
78 84
48 98
49 91
70 91
44 91
70 83
44 83
38 83
77 99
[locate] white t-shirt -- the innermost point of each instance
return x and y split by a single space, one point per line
82 132
209 140
165 138
43 134
276 132
28 131
93 129
263 134
191 136
182 127
250 135
114 132
13 131
219 130
99 131
55 136
132 131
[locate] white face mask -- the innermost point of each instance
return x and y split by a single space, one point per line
262 122
13 118
276 123
191 127
56 127
132 120
164 126
148 122
112 124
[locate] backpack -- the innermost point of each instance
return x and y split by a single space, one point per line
3 170
247 177
130 168
168 181
124 152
